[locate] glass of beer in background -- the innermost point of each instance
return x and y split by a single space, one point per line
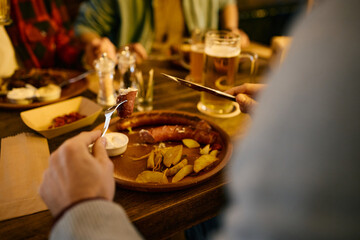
196 55
221 63
5 12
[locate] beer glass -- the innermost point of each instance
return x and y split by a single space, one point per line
145 85
5 12
221 63
196 55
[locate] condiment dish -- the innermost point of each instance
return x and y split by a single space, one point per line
116 143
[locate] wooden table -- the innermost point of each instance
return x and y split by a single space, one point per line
156 215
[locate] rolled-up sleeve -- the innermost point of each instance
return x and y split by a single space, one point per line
95 219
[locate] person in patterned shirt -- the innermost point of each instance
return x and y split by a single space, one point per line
42 34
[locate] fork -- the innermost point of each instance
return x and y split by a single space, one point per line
108 113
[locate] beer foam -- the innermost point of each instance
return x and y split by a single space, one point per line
222 51
199 48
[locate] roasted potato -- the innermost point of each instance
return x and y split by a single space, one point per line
150 161
190 143
205 150
173 155
172 171
183 173
151 177
214 152
203 161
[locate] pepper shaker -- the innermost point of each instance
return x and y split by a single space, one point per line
104 67
126 66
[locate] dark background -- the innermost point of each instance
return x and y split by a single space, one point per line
263 19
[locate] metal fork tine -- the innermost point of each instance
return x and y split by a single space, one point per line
108 113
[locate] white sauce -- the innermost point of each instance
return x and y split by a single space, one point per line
115 140
21 93
49 92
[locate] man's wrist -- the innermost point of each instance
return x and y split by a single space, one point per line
62 212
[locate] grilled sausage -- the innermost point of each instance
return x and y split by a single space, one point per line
126 109
157 118
177 133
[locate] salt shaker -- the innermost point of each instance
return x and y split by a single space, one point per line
126 66
104 67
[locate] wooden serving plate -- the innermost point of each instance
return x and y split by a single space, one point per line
71 90
126 168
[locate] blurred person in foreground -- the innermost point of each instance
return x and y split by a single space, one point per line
107 25
294 176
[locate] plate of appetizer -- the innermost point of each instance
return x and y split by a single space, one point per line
29 88
62 117
167 150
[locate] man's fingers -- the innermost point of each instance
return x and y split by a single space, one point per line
99 150
246 88
103 45
235 90
140 50
87 138
253 88
246 103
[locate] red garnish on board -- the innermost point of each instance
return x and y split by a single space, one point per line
66 119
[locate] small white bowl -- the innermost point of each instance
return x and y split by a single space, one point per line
21 95
48 93
116 143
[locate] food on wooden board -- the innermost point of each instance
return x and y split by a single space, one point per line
35 77
204 161
172 171
190 143
66 119
162 127
186 170
177 133
126 109
151 177
166 162
161 118
173 155
205 150
48 93
26 86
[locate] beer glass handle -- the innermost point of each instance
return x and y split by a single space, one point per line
253 57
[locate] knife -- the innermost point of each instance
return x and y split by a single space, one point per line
75 79
201 88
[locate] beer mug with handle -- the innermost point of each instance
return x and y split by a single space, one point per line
221 64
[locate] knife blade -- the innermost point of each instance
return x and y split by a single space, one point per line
75 79
201 88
